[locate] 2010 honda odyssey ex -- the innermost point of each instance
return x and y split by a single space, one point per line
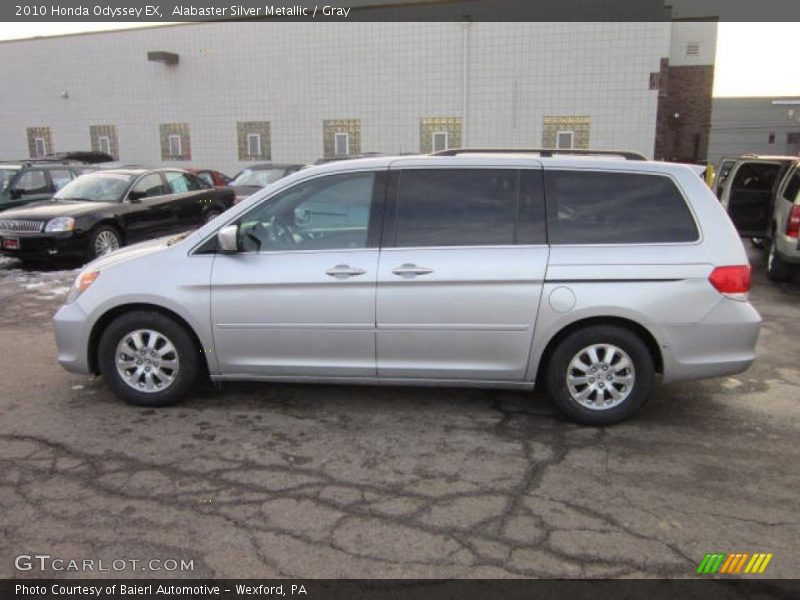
470 269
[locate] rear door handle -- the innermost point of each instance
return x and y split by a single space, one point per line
411 270
344 271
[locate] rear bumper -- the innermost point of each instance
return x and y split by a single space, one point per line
723 343
72 338
788 248
42 246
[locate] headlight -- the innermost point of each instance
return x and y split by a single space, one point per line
60 224
82 283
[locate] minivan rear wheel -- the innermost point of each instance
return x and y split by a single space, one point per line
148 359
600 375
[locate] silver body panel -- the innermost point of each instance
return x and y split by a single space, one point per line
477 316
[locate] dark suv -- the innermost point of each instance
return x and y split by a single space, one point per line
25 181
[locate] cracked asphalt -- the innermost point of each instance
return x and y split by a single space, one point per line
306 481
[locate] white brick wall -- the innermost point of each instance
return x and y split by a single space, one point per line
294 75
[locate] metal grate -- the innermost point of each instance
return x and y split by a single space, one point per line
21 225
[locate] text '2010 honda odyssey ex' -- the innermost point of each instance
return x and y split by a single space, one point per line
469 269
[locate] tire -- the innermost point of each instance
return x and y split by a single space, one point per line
777 269
152 332
104 239
210 215
564 388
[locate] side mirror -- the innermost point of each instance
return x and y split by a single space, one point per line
228 239
15 193
136 197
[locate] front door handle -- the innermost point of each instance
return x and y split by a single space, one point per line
411 270
344 271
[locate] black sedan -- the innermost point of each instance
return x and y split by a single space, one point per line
100 211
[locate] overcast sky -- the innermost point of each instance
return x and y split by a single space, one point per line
753 59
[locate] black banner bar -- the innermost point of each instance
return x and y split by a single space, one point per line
157 11
318 589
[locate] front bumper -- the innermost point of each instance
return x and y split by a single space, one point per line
72 338
39 246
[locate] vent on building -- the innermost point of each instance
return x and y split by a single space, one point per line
692 49
655 80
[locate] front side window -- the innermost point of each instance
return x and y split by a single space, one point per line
468 207
149 186
585 207
326 213
32 182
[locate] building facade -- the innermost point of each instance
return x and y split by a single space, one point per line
223 95
755 126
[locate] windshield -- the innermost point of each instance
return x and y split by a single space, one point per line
258 177
6 175
106 187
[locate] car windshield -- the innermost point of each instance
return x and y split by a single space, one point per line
6 175
105 187
257 177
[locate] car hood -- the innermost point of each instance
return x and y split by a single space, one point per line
50 209
129 253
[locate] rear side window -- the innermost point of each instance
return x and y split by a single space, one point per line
469 207
586 207
793 187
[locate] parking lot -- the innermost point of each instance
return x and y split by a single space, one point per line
263 480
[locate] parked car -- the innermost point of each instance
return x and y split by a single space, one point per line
253 178
26 181
589 275
103 210
89 157
762 197
211 177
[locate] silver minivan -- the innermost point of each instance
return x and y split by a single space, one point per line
587 275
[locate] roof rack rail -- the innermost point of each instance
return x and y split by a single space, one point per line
546 152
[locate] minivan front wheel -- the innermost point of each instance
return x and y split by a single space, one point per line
600 375
148 359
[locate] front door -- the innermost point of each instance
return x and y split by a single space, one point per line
298 299
151 213
461 273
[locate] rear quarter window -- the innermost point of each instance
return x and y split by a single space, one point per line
586 207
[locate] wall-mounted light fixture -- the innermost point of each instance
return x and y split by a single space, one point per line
168 58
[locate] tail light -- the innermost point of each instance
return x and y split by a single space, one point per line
793 224
732 281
